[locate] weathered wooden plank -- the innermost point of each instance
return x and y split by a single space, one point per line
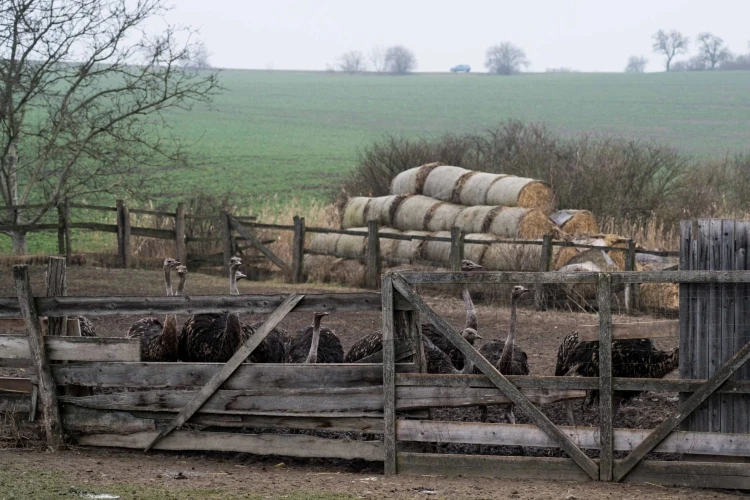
73 348
389 377
497 378
15 384
79 420
563 469
702 416
606 414
123 233
298 250
47 388
287 445
18 324
726 332
330 399
658 434
640 330
418 397
545 266
225 227
687 310
56 286
699 443
180 246
372 258
191 375
692 474
618 278
715 317
18 403
228 369
742 319
258 245
568 383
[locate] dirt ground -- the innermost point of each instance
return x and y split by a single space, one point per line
539 334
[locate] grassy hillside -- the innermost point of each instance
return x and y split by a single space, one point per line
272 131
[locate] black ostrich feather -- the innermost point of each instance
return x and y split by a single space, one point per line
87 327
204 339
143 327
518 365
329 347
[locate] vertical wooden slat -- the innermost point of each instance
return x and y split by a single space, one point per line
179 234
457 248
631 289
687 309
741 406
226 238
545 265
389 377
123 233
606 414
56 287
47 389
714 330
372 276
298 250
727 319
703 318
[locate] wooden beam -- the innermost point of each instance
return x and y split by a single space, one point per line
257 244
228 369
372 258
606 413
640 330
545 265
16 384
298 250
497 378
670 423
47 388
73 348
419 397
180 247
287 445
389 377
123 233
457 248
56 286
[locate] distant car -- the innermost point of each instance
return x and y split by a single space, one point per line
461 68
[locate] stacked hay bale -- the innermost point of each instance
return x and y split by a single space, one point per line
575 222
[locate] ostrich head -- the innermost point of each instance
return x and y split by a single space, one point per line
468 266
470 335
181 270
182 274
170 263
518 292
235 262
320 315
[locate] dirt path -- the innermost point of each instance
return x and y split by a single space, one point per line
162 475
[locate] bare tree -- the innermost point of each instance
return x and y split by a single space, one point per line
505 59
352 62
82 93
670 44
377 58
695 63
636 64
712 50
400 60
198 59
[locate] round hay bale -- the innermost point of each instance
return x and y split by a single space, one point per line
353 214
412 181
511 257
324 243
410 249
474 190
475 252
441 182
472 219
561 256
412 213
318 267
575 222
660 297
348 272
388 245
383 209
442 216
438 252
352 246
522 192
593 256
525 223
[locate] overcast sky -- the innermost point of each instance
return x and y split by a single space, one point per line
587 35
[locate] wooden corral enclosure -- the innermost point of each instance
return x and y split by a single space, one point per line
380 407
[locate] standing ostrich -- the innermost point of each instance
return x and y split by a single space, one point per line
315 344
631 358
213 337
504 355
162 346
150 326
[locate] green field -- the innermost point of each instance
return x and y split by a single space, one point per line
272 131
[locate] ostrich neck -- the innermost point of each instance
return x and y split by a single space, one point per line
233 329
507 353
312 357
169 336
471 313
168 281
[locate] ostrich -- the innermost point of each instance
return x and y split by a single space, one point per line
631 358
504 355
213 337
150 326
315 344
162 346
86 327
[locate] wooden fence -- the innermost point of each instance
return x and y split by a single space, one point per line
201 406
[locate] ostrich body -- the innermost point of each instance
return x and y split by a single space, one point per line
315 344
504 355
162 346
150 326
213 337
86 326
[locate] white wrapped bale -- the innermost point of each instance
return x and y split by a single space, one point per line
382 209
412 212
412 181
442 216
513 191
324 243
352 246
475 252
475 187
524 223
511 257
438 251
410 249
472 219
441 182
354 212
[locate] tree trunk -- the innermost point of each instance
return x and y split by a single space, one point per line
19 242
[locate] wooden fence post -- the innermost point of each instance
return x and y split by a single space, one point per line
372 276
226 238
631 289
63 234
56 287
389 377
545 266
47 390
606 432
298 250
123 233
457 248
179 234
